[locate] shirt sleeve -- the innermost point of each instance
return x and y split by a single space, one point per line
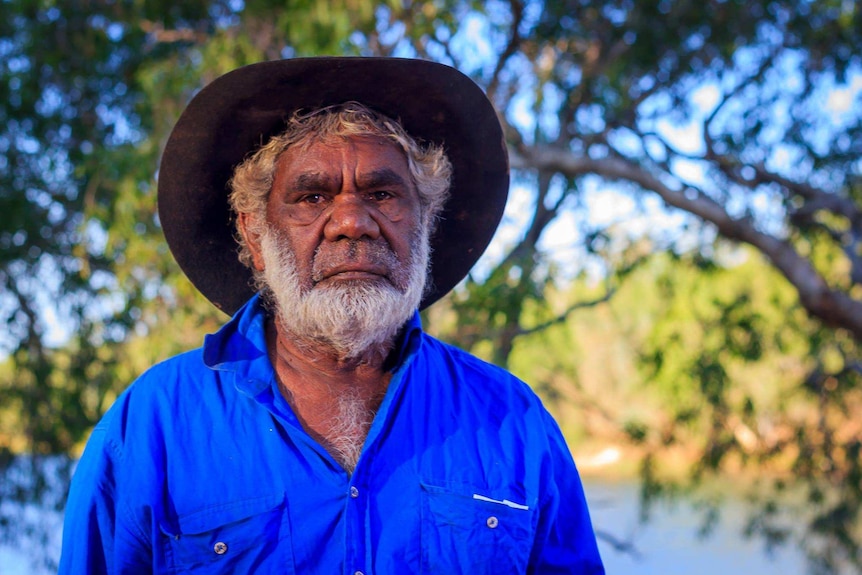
565 541
98 537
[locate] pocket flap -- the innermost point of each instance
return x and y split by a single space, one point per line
216 516
241 536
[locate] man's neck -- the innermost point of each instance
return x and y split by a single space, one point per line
334 398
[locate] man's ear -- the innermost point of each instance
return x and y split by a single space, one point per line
247 225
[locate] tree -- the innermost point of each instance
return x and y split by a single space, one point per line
90 296
738 364
739 117
594 95
764 161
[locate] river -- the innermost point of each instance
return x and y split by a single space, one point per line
669 543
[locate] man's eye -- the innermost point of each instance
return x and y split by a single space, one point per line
311 199
381 195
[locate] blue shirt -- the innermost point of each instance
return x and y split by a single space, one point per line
202 467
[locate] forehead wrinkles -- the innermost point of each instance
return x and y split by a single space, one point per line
322 164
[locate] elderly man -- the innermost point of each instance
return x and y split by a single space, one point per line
321 430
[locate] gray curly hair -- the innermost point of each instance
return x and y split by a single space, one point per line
252 179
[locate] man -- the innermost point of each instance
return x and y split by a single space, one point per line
320 430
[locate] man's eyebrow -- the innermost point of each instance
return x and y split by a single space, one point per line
382 178
311 182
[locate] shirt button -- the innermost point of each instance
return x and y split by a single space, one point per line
220 548
354 493
358 573
492 522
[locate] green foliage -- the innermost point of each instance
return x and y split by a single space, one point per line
90 295
704 349
710 368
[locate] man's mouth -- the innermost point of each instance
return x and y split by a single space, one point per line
349 272
353 261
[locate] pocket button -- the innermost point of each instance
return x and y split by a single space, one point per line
492 522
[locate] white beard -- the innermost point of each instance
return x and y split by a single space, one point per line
352 317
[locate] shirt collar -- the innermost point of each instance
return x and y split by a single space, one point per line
240 347
409 341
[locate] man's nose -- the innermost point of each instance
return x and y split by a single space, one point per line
350 218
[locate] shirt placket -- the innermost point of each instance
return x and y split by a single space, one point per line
357 556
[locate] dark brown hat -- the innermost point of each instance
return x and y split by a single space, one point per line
240 111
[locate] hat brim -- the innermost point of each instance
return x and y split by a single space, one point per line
238 112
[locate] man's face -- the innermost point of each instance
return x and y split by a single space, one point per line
344 252
333 192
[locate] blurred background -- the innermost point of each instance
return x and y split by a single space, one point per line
678 274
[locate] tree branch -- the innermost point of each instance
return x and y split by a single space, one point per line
567 312
821 200
834 308
619 545
512 47
157 31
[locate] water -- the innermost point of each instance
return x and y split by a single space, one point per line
667 545
670 544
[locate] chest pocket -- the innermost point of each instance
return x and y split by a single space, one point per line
247 536
462 534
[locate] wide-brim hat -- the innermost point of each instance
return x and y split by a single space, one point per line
238 112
